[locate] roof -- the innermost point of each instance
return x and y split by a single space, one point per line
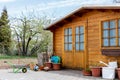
117 6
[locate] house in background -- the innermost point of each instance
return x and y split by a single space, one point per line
87 36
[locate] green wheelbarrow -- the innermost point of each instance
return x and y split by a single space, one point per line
17 69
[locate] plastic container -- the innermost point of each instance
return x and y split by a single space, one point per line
113 64
108 72
55 59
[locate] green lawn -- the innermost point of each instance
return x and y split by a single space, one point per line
13 57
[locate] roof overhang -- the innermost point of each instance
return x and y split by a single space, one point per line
89 7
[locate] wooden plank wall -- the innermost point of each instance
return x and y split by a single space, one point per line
94 35
57 44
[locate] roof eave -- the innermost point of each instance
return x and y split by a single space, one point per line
82 8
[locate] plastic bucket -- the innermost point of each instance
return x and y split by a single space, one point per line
108 72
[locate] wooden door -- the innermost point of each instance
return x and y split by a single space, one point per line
73 53
68 47
79 53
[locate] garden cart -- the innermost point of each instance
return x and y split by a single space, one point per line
16 69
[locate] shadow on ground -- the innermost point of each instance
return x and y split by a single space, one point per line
75 73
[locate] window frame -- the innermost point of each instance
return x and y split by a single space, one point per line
67 43
116 28
80 42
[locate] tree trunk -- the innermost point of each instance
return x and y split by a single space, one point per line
23 43
28 44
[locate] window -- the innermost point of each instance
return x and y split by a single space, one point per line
111 33
79 38
68 39
119 31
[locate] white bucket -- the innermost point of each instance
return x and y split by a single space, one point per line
108 72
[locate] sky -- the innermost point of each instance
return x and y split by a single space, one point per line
50 8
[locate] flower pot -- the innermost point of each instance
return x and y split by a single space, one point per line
56 66
118 72
48 64
41 67
96 71
86 73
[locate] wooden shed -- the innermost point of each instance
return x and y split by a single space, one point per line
87 36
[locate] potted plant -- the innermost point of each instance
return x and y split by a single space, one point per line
48 64
87 72
56 62
96 70
41 67
118 70
56 66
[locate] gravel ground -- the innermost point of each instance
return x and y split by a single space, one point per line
7 74
24 61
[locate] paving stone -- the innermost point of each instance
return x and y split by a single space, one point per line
7 74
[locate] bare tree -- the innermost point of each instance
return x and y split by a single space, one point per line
30 35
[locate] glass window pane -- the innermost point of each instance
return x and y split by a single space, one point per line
77 46
77 38
66 32
77 30
113 42
81 46
112 33
66 39
70 31
112 24
66 48
119 23
105 25
105 42
81 38
81 29
70 47
119 32
105 33
70 38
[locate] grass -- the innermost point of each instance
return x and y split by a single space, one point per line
14 57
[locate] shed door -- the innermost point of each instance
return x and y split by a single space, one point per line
74 47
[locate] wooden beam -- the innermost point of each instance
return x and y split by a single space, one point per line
60 24
75 16
65 21
78 14
86 10
102 10
54 26
116 10
69 19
